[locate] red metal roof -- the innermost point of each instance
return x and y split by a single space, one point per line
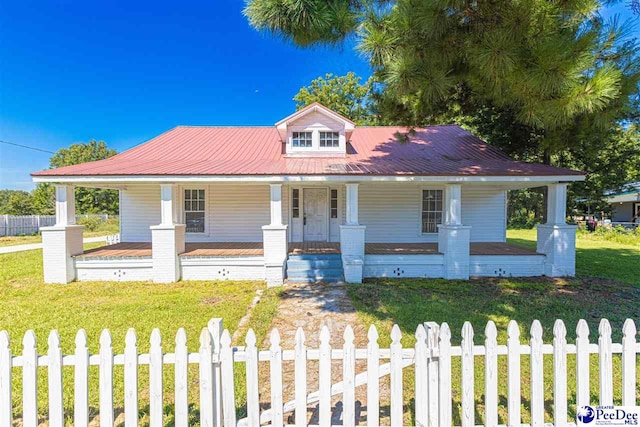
205 150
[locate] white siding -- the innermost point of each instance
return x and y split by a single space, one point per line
235 212
392 212
484 209
139 209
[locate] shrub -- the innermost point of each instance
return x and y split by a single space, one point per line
90 223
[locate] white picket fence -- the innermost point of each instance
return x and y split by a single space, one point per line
217 360
17 225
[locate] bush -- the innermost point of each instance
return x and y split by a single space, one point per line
90 223
618 234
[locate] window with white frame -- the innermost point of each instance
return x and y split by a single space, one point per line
329 139
194 210
431 210
334 203
295 203
302 139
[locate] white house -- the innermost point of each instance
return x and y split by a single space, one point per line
625 204
312 198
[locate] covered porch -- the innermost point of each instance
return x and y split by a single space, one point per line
249 231
231 249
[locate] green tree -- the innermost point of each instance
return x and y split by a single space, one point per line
88 200
343 94
19 203
549 63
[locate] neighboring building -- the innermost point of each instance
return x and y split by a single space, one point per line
312 198
625 204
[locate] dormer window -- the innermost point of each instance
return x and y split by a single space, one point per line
329 139
302 139
315 131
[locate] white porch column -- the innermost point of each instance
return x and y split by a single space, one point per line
167 238
352 238
453 237
62 241
556 238
65 205
274 239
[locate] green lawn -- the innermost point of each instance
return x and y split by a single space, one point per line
27 303
409 302
94 229
595 257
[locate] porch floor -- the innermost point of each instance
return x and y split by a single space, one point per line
119 250
223 249
204 249
324 248
480 248
213 249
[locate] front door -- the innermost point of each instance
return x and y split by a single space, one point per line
315 214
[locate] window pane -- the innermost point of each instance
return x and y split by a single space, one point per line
295 212
431 210
201 205
195 222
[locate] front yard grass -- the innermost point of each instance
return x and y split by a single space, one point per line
27 303
595 257
408 302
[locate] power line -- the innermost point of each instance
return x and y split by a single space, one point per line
26 146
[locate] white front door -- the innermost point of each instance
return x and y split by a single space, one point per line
315 214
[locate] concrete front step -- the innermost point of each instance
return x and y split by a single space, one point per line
315 257
316 279
315 272
309 268
304 264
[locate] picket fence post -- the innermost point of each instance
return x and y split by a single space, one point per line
606 375
324 380
131 379
582 364
490 375
216 327
559 374
156 407
396 377
301 379
537 375
629 363
106 379
29 380
421 396
373 378
228 391
181 375
433 331
348 379
54 369
444 380
6 363
513 378
253 399
206 380
275 369
81 381
468 396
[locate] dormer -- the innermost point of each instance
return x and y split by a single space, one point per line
315 131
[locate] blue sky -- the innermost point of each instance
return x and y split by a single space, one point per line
124 72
